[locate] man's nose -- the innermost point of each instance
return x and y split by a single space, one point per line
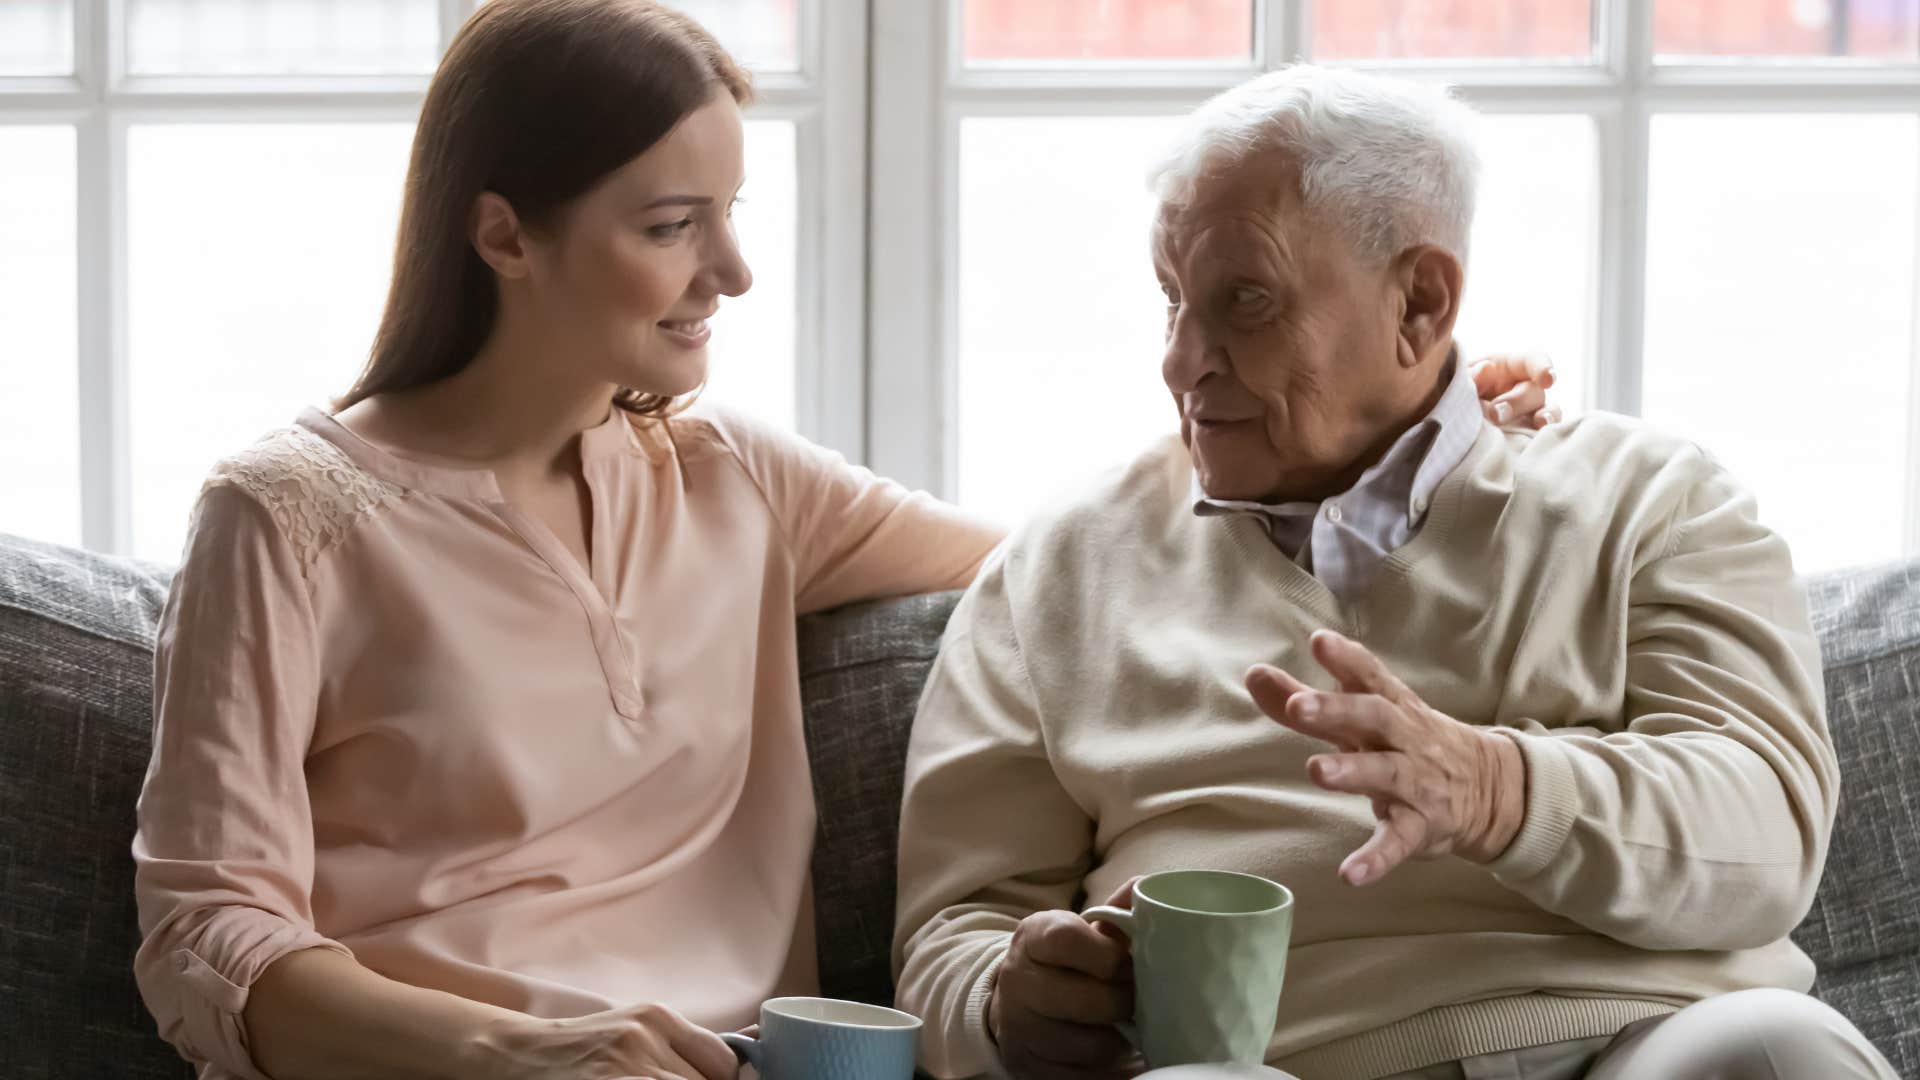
1191 355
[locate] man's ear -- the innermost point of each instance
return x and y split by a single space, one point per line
495 232
1430 279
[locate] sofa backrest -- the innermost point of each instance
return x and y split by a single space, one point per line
76 638
76 690
1864 929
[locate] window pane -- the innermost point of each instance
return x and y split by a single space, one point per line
258 262
1453 29
762 34
1780 315
1022 31
36 37
1530 273
1061 321
750 360
39 399
282 37
1863 29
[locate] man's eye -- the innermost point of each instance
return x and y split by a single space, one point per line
1244 295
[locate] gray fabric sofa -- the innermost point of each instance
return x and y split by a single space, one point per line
76 634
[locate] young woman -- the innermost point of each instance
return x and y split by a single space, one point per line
478 748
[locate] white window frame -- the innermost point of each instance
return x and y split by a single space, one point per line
921 92
825 99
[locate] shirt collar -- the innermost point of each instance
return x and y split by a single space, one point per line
1438 442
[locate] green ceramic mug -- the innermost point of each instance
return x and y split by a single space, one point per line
1209 955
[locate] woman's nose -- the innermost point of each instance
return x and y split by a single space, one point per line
728 270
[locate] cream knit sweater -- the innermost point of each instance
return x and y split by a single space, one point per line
1601 589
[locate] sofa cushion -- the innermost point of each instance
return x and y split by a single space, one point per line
1864 929
76 685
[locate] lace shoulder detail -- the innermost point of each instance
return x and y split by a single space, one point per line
315 493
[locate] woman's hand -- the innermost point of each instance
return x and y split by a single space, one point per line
1439 787
647 1041
1513 390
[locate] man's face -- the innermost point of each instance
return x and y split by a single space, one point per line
1283 346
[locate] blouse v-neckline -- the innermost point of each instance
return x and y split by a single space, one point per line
592 583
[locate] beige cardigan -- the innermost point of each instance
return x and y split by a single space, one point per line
1600 589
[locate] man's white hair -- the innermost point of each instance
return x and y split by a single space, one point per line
1390 161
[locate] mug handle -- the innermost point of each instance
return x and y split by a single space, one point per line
745 1047
1123 920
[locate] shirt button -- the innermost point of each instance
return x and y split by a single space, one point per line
1419 504
1333 513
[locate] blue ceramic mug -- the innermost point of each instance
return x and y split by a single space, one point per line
805 1038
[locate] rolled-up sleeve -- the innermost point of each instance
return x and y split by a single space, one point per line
224 848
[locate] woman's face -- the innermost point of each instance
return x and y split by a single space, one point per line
641 260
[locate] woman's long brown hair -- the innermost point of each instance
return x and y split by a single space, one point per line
536 101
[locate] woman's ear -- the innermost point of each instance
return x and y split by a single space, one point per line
1430 278
497 236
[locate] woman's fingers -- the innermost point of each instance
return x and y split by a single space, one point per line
1520 404
1495 375
701 1053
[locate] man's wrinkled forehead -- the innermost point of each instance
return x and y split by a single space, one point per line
1255 199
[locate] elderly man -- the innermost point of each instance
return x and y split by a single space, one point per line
1531 724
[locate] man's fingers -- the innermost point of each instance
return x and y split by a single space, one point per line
1070 997
1123 896
1349 721
1381 776
1068 941
1395 837
1356 668
1072 1050
1272 688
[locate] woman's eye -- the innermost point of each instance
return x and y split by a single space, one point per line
671 229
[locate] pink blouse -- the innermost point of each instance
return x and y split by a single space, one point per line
395 717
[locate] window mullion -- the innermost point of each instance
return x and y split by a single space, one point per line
831 379
910 380
1626 49
1913 404
1284 37
100 257
453 15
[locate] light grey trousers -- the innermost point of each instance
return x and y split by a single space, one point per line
1748 1035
